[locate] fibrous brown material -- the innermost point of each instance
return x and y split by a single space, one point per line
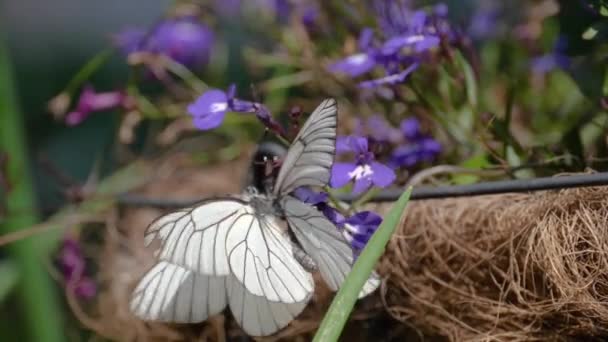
515 267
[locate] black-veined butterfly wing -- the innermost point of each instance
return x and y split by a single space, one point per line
256 314
170 293
323 242
195 238
311 155
262 259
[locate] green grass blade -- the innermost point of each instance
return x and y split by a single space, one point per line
337 315
37 297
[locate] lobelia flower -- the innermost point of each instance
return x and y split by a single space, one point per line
377 128
209 110
418 148
90 102
71 263
359 228
364 171
184 39
319 200
407 37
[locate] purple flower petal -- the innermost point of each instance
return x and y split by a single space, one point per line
185 40
427 43
395 44
405 156
309 196
362 183
410 128
359 228
333 215
210 121
382 175
209 109
351 143
365 38
364 223
354 65
391 79
129 40
341 174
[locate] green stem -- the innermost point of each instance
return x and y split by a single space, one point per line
337 315
40 306
87 70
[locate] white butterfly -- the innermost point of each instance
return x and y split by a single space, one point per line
235 250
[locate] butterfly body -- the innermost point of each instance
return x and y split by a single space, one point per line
253 252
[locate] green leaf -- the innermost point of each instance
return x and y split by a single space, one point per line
469 78
337 315
9 277
39 309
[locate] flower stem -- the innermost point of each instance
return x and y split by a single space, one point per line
337 315
40 307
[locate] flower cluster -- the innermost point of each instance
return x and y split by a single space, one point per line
357 228
407 37
184 39
71 262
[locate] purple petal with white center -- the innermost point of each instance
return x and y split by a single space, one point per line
341 174
364 223
382 175
391 79
354 65
209 109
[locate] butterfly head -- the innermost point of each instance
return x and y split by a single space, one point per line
265 166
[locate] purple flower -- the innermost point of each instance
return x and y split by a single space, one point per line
549 62
417 147
359 228
410 128
390 79
210 109
184 39
407 37
90 102
379 129
354 65
129 40
71 262
556 59
319 200
364 171
413 153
